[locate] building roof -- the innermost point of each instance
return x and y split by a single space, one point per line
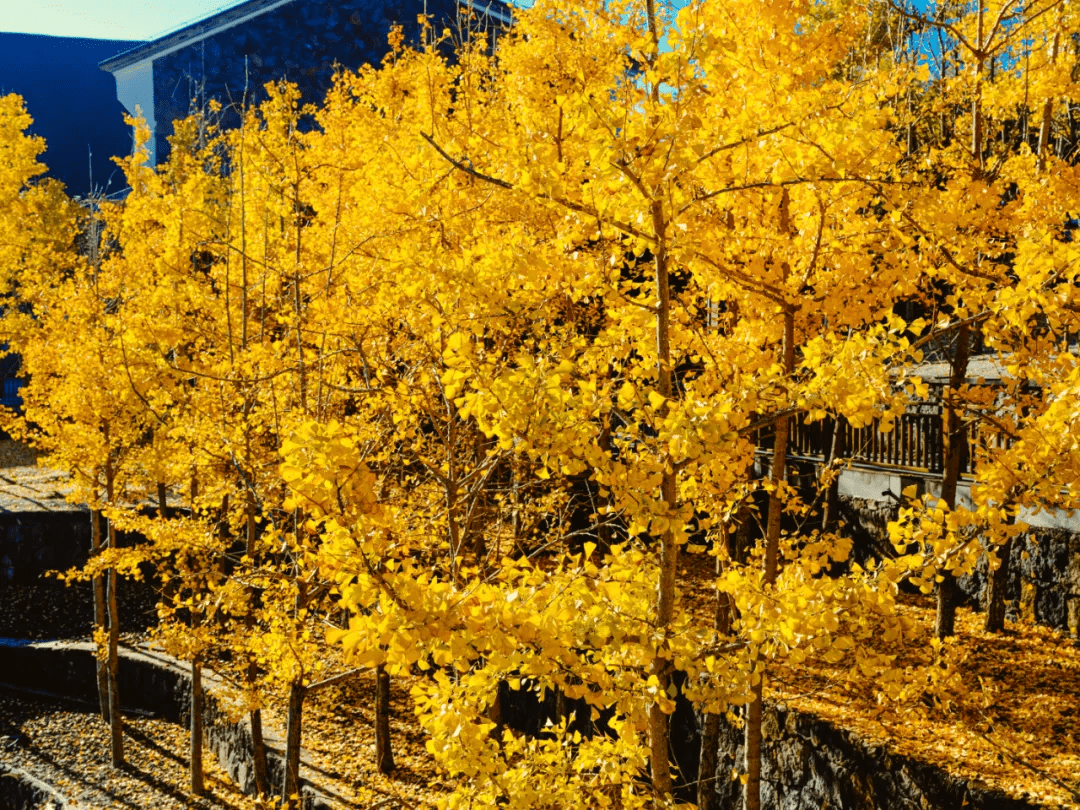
233 15
189 33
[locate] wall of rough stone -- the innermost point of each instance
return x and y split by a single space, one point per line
22 791
301 41
1044 578
809 765
32 543
1044 564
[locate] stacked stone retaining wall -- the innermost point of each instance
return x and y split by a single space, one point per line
809 764
22 791
1044 565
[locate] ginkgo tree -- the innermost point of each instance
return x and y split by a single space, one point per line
989 223
87 419
478 355
613 399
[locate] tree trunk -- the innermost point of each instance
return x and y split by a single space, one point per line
659 732
562 707
384 754
707 763
290 789
100 617
1048 111
605 537
752 792
195 743
724 609
996 584
196 751
494 715
116 729
831 510
258 752
258 744
945 616
955 437
710 732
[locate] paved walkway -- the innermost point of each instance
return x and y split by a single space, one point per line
25 487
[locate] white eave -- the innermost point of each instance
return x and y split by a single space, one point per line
495 9
190 34
134 68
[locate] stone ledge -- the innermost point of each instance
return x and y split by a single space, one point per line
22 791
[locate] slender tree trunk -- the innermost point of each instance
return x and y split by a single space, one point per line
659 733
196 748
724 608
710 732
101 620
494 714
1047 111
258 744
953 431
976 102
116 729
258 750
195 742
997 583
562 710
384 754
955 437
752 790
604 533
297 693
831 510
708 761
290 790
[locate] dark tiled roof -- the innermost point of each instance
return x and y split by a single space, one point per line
499 10
147 50
72 102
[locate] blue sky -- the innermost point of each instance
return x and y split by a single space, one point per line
103 19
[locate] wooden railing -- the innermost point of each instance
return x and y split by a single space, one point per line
915 442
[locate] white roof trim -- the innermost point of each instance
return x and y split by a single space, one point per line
217 29
490 9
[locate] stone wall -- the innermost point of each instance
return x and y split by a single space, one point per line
301 42
1044 565
32 543
151 683
1044 578
21 791
867 523
808 765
